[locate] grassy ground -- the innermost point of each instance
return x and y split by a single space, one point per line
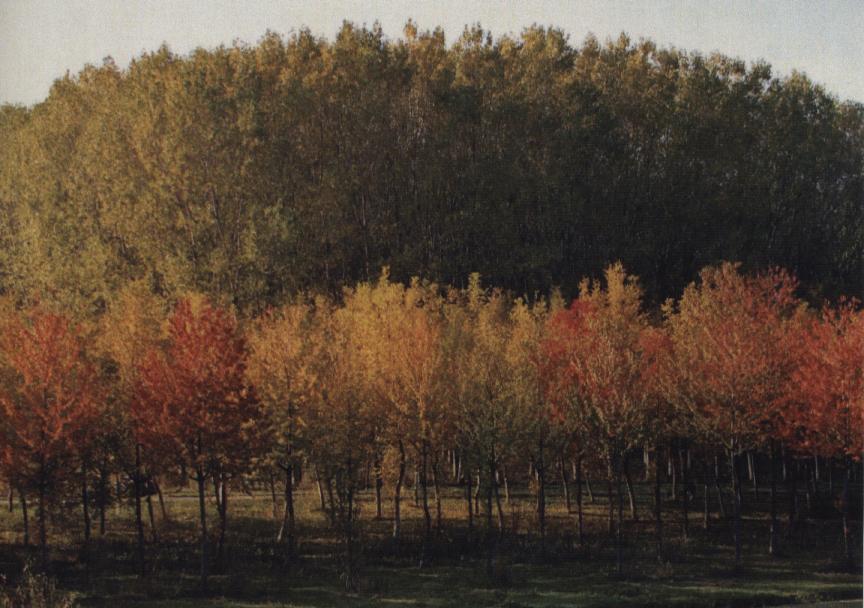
694 572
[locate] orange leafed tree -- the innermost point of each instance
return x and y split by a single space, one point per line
194 400
341 420
658 383
281 367
127 332
399 329
596 347
826 395
48 402
728 336
543 439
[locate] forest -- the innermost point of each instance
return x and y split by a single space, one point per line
250 173
339 322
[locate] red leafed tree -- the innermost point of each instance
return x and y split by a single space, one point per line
731 366
662 421
826 395
596 347
193 399
48 401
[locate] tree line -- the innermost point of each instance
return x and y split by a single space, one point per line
258 171
461 386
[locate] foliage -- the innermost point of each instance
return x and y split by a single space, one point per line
728 335
253 172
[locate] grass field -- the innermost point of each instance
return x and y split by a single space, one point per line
695 572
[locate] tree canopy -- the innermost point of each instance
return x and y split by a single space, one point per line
251 172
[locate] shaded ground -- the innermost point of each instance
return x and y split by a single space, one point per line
696 572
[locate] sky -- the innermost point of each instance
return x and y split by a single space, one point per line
41 39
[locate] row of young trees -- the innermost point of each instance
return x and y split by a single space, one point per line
256 171
396 377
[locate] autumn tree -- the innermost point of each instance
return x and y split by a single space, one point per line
545 439
130 328
659 381
340 421
402 358
598 341
489 417
194 399
252 171
825 397
283 368
48 406
728 333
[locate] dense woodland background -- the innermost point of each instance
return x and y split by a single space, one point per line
253 171
193 312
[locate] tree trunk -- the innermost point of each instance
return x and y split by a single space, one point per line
610 528
437 490
629 484
271 479
754 475
619 532
379 485
350 584
103 495
454 466
646 465
11 497
397 492
490 535
844 505
153 535
469 498
499 509
424 497
588 488
565 484
672 471
793 501
43 535
772 532
345 489
658 518
286 530
85 508
685 498
784 472
25 517
477 487
736 497
720 502
331 510
139 523
506 480
202 513
223 519
320 489
541 496
579 513
162 508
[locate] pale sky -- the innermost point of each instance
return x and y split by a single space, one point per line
41 39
